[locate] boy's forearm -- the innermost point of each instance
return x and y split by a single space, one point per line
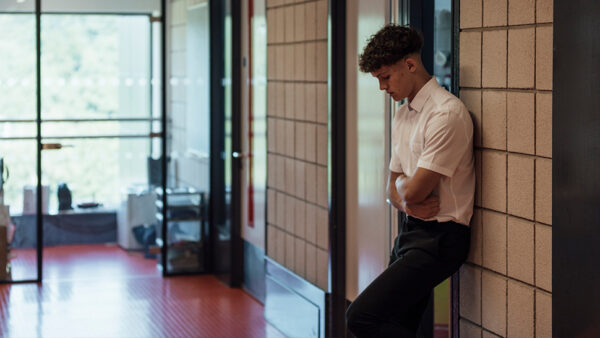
393 196
415 189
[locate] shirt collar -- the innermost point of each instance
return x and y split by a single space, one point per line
422 95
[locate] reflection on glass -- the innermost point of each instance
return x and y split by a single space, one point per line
224 229
442 43
258 121
188 146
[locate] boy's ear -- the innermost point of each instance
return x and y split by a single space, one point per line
411 63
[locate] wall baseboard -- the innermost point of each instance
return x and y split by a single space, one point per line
293 305
254 271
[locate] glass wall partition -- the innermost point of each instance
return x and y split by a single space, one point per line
100 124
184 237
19 255
197 228
97 140
96 106
88 138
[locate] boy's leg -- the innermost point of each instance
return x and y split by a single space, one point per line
392 305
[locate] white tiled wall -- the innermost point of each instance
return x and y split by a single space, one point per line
185 171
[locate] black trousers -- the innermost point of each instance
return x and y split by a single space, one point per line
424 255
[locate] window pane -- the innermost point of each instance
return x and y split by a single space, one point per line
101 71
17 66
62 129
18 156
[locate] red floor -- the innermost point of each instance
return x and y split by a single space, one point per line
103 291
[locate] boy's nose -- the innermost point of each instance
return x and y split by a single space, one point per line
382 86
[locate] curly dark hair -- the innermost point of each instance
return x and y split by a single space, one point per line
391 44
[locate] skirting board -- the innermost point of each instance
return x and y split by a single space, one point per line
293 305
254 271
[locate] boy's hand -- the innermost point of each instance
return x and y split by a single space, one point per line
424 210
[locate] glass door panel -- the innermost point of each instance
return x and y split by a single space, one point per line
102 71
98 121
18 143
184 235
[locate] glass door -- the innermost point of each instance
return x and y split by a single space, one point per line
20 256
184 235
100 129
82 123
96 130
224 131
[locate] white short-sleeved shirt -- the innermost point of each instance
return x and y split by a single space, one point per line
435 131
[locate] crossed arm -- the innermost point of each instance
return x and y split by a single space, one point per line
413 194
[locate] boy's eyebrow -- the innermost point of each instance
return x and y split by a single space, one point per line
381 74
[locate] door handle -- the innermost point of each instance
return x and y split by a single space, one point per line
236 154
54 146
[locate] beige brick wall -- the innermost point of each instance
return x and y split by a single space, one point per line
506 82
297 114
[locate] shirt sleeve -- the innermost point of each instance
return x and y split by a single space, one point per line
448 137
395 165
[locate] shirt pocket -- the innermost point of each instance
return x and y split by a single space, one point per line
416 145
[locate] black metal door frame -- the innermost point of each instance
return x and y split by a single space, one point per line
38 80
227 257
336 302
575 161
237 243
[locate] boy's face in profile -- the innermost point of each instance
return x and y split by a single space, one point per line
394 79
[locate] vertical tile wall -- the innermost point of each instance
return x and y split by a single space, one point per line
297 200
506 82
184 170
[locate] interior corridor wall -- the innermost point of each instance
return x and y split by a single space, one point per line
297 146
188 166
506 82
